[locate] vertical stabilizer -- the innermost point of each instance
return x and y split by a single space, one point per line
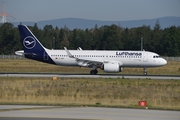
33 49
30 43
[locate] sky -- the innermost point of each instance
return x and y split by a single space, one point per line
106 10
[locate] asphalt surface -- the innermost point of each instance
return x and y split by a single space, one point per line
17 112
62 75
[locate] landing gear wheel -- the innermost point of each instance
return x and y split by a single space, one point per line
93 72
145 72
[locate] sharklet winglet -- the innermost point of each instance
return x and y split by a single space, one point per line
69 54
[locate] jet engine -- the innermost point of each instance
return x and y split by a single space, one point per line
112 67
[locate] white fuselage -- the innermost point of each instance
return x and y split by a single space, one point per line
126 58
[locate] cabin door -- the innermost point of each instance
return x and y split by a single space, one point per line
145 57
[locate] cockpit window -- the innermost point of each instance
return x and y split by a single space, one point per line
156 56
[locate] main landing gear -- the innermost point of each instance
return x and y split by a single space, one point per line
93 72
145 72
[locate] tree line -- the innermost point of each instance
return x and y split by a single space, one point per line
165 42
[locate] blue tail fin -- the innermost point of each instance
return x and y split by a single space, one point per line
33 49
30 43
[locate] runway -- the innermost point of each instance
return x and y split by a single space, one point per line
25 112
63 75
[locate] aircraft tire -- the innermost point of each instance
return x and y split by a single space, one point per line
93 72
145 73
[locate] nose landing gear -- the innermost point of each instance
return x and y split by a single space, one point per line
145 72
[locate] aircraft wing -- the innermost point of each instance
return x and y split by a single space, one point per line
86 62
89 62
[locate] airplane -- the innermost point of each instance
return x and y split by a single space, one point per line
107 60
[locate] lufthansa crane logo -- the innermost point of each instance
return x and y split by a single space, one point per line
29 42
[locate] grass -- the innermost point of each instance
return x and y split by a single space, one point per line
121 92
159 94
25 65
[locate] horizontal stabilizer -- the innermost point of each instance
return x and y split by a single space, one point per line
22 53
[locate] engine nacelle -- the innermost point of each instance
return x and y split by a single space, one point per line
112 67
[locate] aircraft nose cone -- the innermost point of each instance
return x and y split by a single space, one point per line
164 62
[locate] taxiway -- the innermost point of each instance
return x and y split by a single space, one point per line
62 75
25 112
